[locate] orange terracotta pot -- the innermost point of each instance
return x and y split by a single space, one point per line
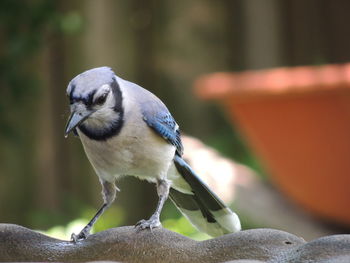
297 121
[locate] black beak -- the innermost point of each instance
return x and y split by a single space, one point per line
75 119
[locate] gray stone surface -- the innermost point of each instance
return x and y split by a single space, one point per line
126 244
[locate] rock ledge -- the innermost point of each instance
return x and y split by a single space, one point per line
126 244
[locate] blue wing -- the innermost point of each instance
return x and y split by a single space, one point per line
157 116
164 124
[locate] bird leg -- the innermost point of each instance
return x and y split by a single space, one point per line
154 221
108 192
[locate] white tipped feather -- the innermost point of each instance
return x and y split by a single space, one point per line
225 221
228 219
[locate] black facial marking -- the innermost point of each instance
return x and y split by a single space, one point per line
113 128
118 96
71 99
88 101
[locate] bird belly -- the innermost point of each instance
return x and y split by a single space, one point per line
144 155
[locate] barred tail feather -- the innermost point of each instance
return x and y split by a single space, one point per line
201 206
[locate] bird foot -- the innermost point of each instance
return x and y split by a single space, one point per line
81 236
151 223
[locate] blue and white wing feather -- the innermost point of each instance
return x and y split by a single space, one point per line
164 124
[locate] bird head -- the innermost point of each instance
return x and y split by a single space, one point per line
95 102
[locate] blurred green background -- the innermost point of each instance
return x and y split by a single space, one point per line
47 181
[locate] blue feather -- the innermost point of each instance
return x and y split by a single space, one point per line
165 125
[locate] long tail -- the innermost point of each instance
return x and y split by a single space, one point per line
200 205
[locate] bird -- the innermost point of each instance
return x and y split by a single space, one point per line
126 130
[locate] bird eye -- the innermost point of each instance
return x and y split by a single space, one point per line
100 100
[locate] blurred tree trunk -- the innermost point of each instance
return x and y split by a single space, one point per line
53 159
262 28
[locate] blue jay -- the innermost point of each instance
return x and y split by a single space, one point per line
127 130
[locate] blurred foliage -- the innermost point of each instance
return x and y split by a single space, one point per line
23 24
65 232
46 218
179 225
71 22
25 28
115 216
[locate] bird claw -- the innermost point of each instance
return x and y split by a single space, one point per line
150 223
80 237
